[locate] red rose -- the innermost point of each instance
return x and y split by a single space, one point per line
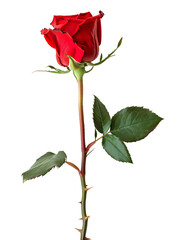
76 35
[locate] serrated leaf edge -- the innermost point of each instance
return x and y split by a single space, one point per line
24 180
101 117
112 131
118 149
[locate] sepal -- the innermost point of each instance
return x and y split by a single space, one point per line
77 68
54 70
101 60
120 42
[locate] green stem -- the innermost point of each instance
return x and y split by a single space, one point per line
83 208
83 164
82 128
102 61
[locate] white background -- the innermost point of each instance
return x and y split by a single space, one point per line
39 114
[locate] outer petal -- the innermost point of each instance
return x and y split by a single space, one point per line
59 20
99 30
88 38
84 15
64 45
71 26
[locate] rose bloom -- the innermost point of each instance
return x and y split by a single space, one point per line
78 36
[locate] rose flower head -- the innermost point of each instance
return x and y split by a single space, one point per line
78 36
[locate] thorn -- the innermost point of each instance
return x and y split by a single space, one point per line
87 239
90 145
80 202
90 152
87 189
87 218
80 218
79 230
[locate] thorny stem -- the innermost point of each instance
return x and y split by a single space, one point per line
83 163
83 208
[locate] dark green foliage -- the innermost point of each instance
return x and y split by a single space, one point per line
116 148
102 120
44 164
133 123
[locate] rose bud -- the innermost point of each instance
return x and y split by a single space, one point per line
78 36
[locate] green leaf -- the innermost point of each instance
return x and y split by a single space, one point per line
101 116
134 123
116 148
44 164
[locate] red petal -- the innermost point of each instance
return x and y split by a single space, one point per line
64 45
51 40
88 37
99 29
59 20
72 26
84 15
